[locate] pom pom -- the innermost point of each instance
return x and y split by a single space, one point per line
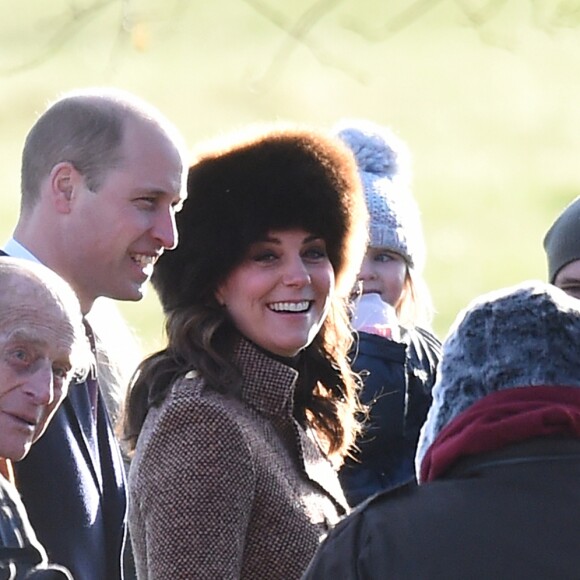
377 150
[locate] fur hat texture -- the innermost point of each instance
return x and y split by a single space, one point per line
384 164
525 335
562 241
264 178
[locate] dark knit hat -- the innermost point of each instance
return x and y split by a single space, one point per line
273 177
526 335
384 163
562 242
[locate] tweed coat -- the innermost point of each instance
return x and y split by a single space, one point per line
227 487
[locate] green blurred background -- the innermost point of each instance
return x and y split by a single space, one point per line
486 94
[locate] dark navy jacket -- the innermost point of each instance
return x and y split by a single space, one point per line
75 498
21 556
72 483
398 378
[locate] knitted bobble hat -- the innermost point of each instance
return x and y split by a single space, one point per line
562 241
384 166
526 335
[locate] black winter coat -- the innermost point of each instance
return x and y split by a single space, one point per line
21 555
509 514
398 378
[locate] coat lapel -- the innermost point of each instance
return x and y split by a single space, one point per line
318 468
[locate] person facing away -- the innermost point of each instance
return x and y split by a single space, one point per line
562 247
498 458
42 346
399 367
238 425
101 182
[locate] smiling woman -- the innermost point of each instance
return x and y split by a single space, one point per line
279 295
238 425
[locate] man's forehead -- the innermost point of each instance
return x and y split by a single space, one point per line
32 333
36 322
24 292
31 307
41 338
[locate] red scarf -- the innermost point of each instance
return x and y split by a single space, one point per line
503 418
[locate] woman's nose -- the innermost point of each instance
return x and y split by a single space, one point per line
296 274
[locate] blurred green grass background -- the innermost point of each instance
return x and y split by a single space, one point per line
488 103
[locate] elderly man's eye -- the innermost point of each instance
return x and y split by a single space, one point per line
21 355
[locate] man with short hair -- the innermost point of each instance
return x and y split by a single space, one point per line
102 178
562 246
42 345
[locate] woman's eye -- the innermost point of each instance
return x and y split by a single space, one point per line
264 257
315 253
383 258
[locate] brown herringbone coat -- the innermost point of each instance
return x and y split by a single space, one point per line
224 488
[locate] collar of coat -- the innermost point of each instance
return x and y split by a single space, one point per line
273 394
268 385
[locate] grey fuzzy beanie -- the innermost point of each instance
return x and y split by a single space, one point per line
384 165
525 335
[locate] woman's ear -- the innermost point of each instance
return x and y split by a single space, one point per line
64 179
219 297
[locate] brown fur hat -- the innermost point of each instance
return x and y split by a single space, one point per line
277 177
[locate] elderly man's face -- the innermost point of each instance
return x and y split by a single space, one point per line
36 338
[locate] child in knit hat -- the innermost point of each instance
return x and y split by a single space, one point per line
397 359
562 246
498 457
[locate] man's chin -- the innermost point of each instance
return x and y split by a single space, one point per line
133 294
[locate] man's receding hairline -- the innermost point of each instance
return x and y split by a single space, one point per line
136 108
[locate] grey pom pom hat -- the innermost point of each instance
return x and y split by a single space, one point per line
384 166
525 335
